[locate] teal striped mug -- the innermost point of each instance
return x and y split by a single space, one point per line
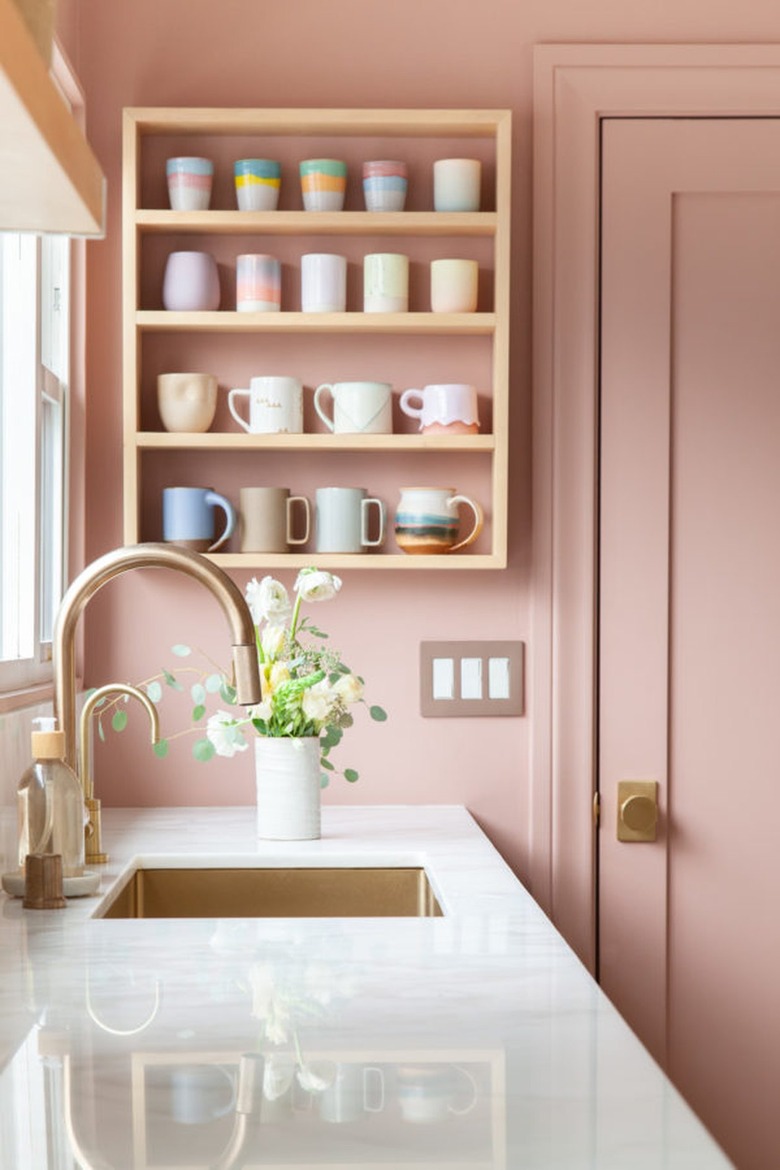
428 521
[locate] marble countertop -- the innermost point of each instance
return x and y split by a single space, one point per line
474 1040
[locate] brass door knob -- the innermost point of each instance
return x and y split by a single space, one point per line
637 810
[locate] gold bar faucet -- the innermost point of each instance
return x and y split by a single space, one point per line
141 556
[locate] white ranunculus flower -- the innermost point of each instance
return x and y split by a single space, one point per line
223 732
317 702
267 600
349 688
272 639
262 710
312 1081
317 585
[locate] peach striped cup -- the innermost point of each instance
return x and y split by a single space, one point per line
258 284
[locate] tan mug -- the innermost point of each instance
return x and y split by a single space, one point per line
267 519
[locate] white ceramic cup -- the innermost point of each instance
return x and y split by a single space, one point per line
456 184
443 408
385 282
187 402
364 408
323 282
275 406
454 286
267 519
343 517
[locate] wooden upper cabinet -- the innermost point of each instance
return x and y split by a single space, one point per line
51 181
409 350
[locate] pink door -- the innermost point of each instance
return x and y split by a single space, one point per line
689 608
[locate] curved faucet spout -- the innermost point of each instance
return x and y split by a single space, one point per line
142 556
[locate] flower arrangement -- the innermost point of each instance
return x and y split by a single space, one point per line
306 688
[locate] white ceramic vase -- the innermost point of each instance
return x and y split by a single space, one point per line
287 774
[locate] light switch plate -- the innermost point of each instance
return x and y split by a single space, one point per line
482 678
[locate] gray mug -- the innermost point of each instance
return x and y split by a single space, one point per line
343 519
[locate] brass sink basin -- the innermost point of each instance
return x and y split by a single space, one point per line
275 892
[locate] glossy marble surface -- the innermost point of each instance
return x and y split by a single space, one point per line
476 1040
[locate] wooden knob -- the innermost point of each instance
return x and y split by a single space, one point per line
43 882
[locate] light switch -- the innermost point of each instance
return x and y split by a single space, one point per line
443 678
471 678
498 678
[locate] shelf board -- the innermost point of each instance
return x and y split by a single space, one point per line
368 561
318 223
232 441
463 324
294 122
51 179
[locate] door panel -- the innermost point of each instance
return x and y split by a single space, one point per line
690 606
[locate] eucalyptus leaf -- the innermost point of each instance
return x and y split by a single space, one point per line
172 681
154 691
378 713
198 693
180 650
119 720
101 732
160 748
324 780
351 775
198 712
327 765
203 750
228 693
214 683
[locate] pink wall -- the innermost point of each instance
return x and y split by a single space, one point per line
347 53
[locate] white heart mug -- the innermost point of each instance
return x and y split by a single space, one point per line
364 408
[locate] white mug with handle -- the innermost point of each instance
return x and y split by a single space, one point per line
364 408
275 406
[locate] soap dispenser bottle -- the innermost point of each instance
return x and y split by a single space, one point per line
50 803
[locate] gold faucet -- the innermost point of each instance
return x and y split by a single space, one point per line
142 556
93 831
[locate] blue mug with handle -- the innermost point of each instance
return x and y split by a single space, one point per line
188 518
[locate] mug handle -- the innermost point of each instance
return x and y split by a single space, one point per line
364 506
369 1071
233 394
326 386
472 1084
407 408
291 500
218 501
479 520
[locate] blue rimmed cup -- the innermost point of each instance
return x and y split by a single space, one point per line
189 182
257 183
323 184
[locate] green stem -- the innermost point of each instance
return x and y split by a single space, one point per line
295 615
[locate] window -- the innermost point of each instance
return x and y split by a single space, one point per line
34 363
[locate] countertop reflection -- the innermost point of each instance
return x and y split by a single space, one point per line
475 1040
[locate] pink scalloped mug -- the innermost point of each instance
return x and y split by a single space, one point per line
444 408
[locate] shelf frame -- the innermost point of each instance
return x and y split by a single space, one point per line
139 222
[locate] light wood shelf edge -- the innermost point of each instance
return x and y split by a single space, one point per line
369 561
464 324
51 179
233 441
300 223
398 123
